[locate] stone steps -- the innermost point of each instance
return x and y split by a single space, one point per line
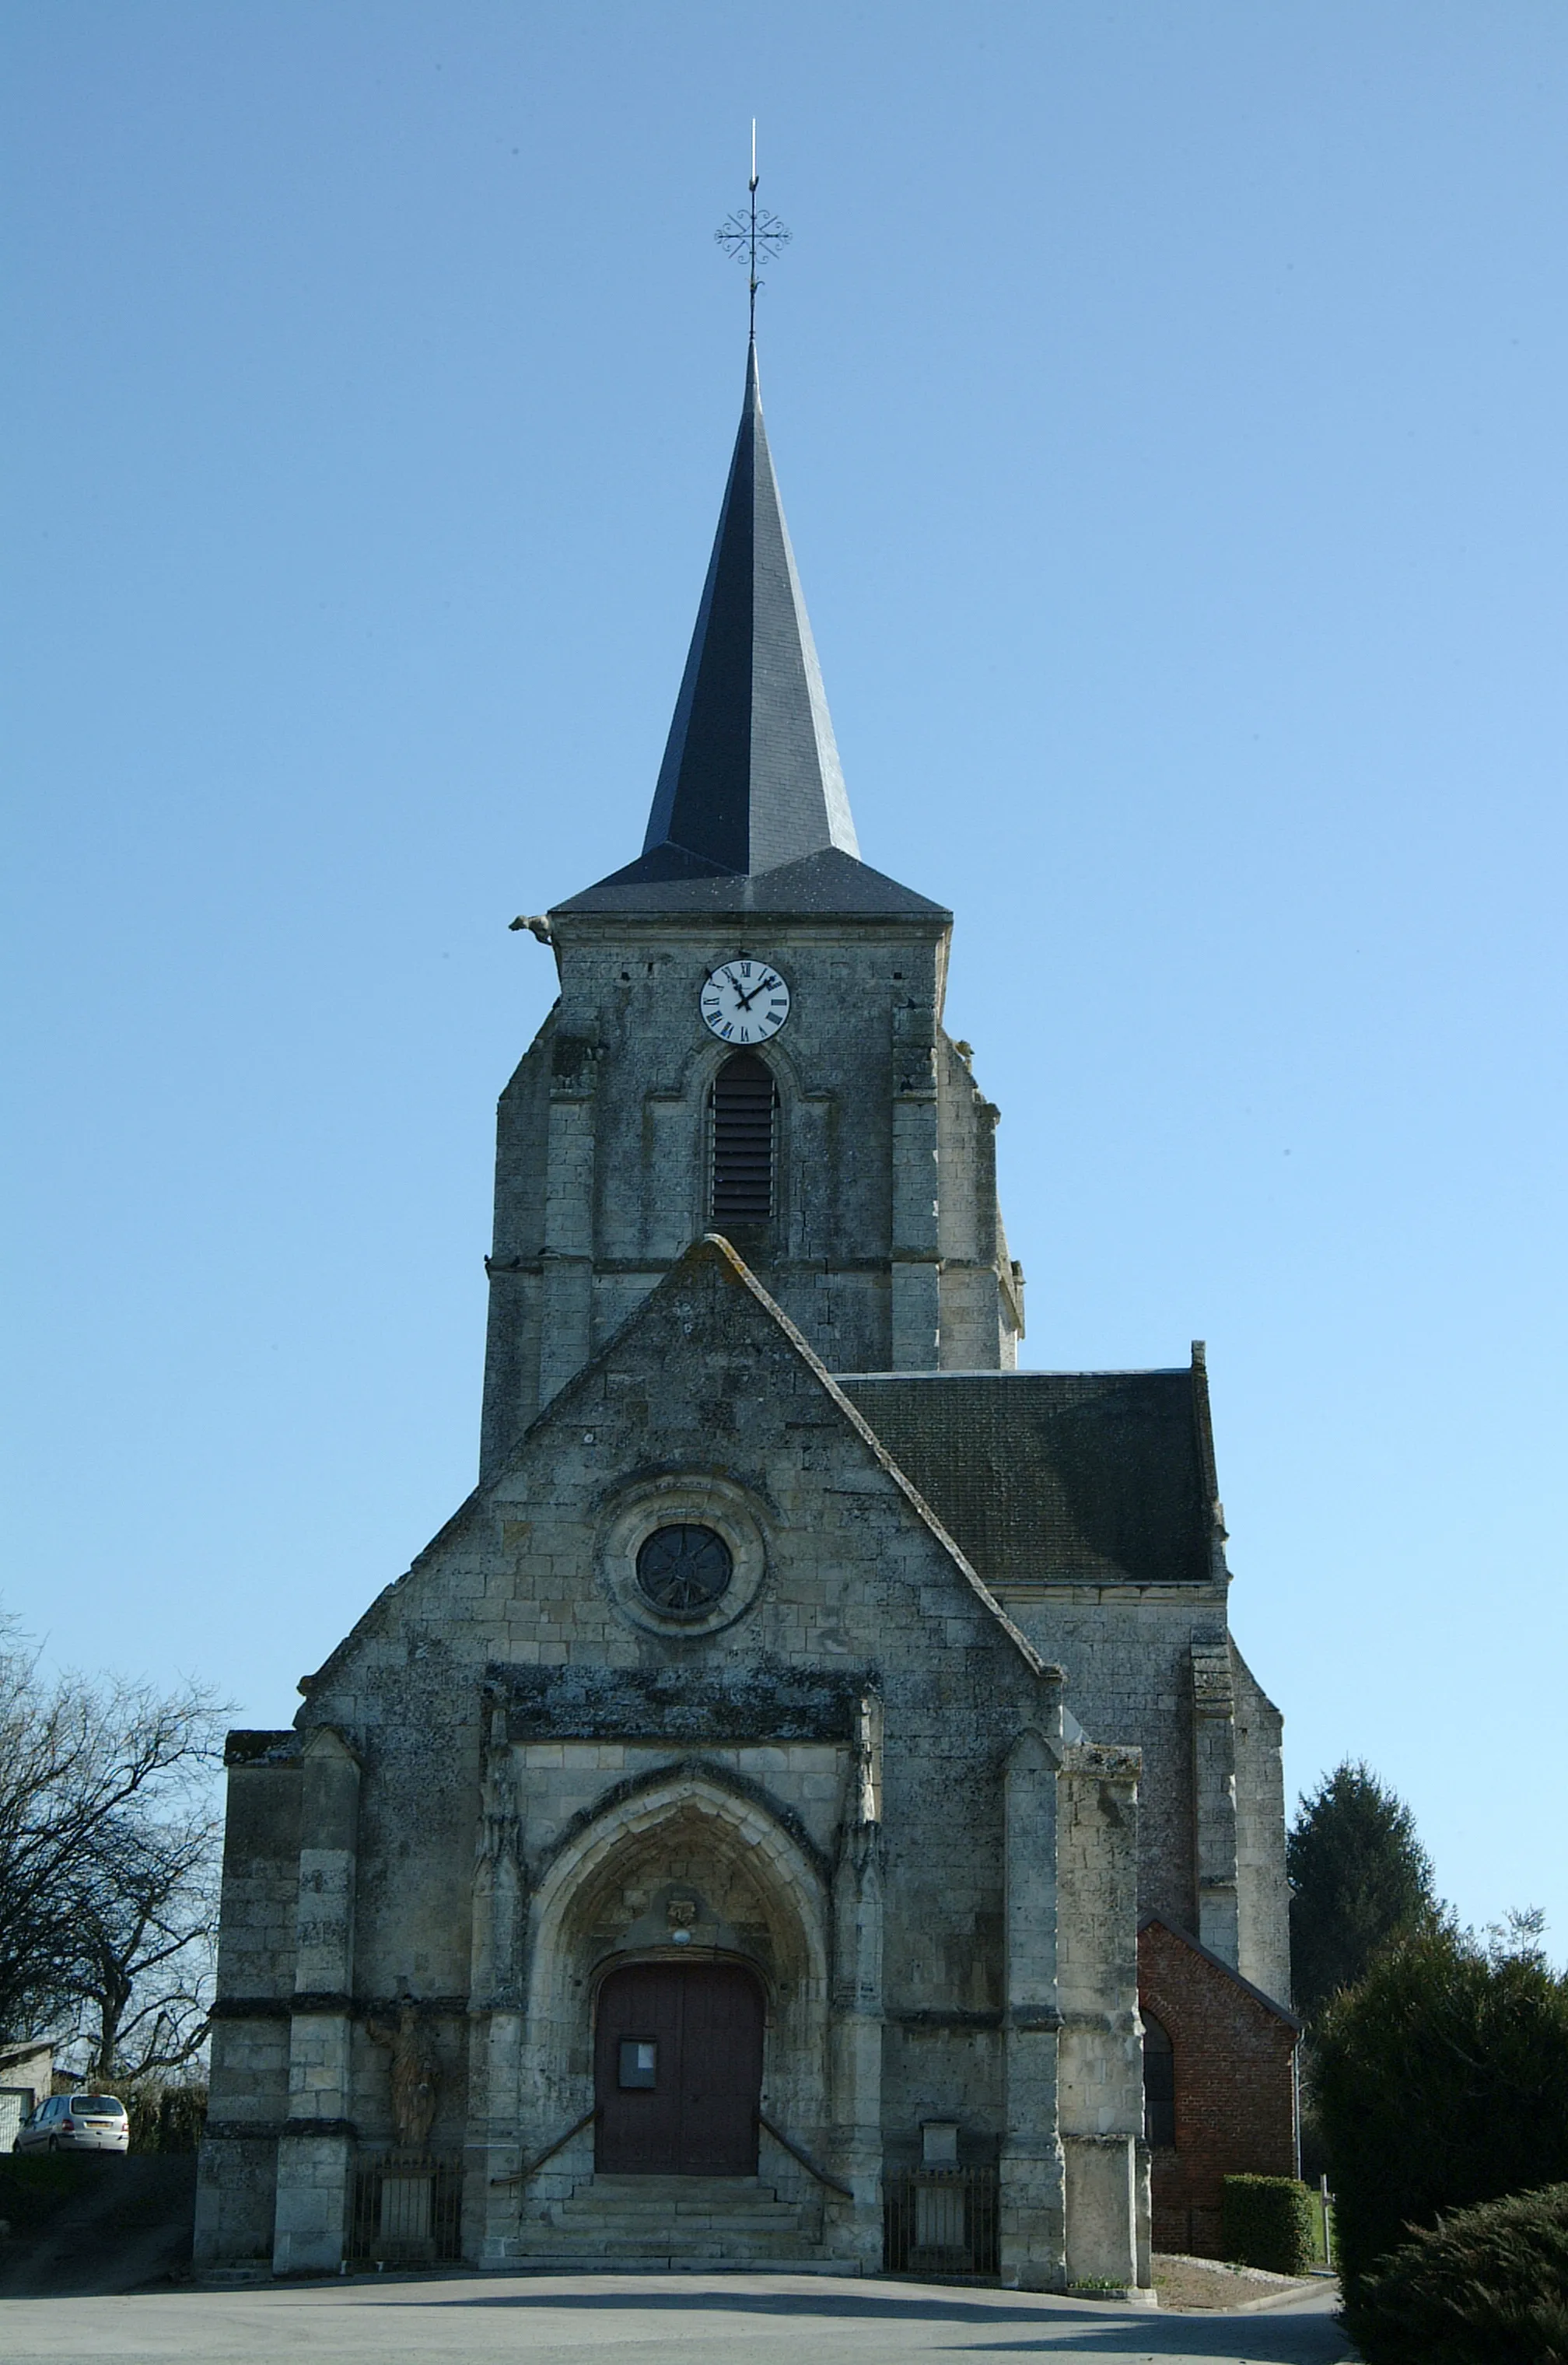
650 2189
662 2262
754 2204
655 2228
633 2222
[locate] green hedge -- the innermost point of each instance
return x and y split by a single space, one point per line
1270 2222
1489 2287
166 2118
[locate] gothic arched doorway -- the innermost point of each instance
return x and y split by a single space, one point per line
678 2070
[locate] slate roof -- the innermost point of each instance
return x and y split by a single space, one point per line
750 813
826 885
1099 1477
750 776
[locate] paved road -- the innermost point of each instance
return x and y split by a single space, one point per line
640 2320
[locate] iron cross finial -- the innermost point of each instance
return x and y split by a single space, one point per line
749 237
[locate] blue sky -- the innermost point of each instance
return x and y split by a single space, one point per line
1168 407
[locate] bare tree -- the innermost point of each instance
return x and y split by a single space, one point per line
148 1943
106 1844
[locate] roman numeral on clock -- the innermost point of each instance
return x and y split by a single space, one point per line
743 1002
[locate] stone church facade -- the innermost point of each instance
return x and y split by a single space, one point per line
735 1837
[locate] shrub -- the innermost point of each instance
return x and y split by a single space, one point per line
166 2118
141 2108
1489 2287
1270 2222
182 2116
1441 2082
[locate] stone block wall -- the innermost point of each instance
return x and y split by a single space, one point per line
885 1244
1102 2055
824 1767
1263 1890
248 2079
1124 1651
1156 1668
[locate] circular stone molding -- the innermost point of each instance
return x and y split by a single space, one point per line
694 1501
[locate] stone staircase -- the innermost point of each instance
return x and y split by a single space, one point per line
639 2224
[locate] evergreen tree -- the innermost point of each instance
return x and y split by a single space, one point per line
1439 2081
1359 1877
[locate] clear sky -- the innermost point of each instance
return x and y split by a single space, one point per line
1168 403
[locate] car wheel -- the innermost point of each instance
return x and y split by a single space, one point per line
53 2144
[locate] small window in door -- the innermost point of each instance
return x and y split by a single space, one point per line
639 2062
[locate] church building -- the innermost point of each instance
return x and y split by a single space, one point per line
805 1807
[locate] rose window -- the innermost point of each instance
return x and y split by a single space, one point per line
684 1569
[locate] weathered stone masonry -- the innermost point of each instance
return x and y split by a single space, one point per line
871 1709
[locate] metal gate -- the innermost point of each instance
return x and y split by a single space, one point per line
408 2209
941 2221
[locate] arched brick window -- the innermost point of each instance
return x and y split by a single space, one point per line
1158 2086
746 1106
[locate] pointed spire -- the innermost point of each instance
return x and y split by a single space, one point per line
750 813
751 777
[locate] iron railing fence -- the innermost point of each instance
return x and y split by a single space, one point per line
941 2221
408 2209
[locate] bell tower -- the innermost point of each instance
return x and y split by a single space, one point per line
748 1039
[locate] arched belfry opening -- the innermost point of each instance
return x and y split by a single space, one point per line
744 1134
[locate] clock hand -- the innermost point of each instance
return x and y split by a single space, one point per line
748 999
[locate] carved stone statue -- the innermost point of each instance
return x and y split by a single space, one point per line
416 2074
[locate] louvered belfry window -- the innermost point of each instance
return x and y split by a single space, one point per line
745 1103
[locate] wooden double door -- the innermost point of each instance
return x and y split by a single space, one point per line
678 2070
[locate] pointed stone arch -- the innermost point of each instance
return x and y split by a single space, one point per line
601 1901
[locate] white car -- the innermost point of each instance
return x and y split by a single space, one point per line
76 2122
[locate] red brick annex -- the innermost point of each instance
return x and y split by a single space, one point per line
1219 2084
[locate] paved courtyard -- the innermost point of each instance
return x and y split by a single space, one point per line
642 2320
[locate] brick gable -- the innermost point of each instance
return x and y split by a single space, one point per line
1233 2052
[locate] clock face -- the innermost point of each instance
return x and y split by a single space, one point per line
744 1001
